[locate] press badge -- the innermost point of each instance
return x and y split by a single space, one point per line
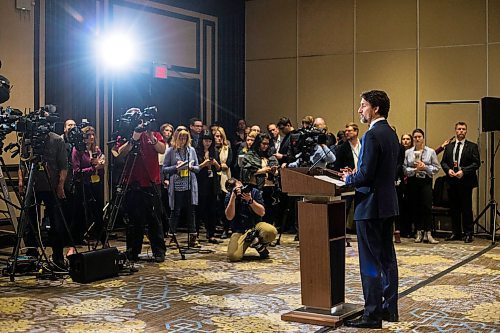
183 173
95 179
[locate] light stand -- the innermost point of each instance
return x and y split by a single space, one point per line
492 204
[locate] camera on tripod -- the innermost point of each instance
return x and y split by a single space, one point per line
136 120
8 119
35 128
76 136
304 140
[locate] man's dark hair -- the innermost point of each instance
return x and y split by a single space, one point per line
193 120
378 98
230 184
461 123
354 127
284 121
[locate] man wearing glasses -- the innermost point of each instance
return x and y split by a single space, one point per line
195 129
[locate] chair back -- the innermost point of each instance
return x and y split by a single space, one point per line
440 193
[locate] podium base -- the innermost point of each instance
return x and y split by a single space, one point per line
322 317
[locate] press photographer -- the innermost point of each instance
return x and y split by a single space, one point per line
244 210
139 143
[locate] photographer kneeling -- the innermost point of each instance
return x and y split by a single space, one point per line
244 210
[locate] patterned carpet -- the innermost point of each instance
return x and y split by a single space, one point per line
206 293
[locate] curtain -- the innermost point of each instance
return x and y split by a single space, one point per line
69 58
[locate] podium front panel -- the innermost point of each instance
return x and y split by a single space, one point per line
322 253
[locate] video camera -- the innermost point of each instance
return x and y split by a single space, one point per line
76 137
33 127
303 141
132 120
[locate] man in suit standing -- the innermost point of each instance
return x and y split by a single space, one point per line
376 206
347 158
460 163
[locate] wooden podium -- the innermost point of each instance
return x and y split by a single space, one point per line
321 217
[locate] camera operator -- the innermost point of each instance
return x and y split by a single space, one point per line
330 137
319 154
244 210
142 202
56 158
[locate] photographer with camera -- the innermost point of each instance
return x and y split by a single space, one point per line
245 209
142 176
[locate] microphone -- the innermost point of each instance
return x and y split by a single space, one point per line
321 158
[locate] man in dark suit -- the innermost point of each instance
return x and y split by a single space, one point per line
376 205
460 163
285 127
347 156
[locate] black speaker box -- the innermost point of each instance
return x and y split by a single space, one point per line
94 265
490 107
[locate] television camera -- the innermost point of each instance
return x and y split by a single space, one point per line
33 129
303 142
76 136
135 120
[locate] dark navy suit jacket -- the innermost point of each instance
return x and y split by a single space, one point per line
469 163
375 196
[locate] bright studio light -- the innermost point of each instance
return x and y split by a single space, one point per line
116 50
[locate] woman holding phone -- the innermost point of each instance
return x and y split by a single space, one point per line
259 169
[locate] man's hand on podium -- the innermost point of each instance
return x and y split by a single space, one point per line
346 172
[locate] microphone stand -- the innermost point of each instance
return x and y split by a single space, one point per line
325 153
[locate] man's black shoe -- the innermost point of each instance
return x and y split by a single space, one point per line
468 238
364 322
132 257
453 237
159 258
58 260
390 317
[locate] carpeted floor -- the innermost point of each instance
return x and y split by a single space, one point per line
206 293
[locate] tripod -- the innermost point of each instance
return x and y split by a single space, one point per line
30 201
6 196
123 190
492 205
